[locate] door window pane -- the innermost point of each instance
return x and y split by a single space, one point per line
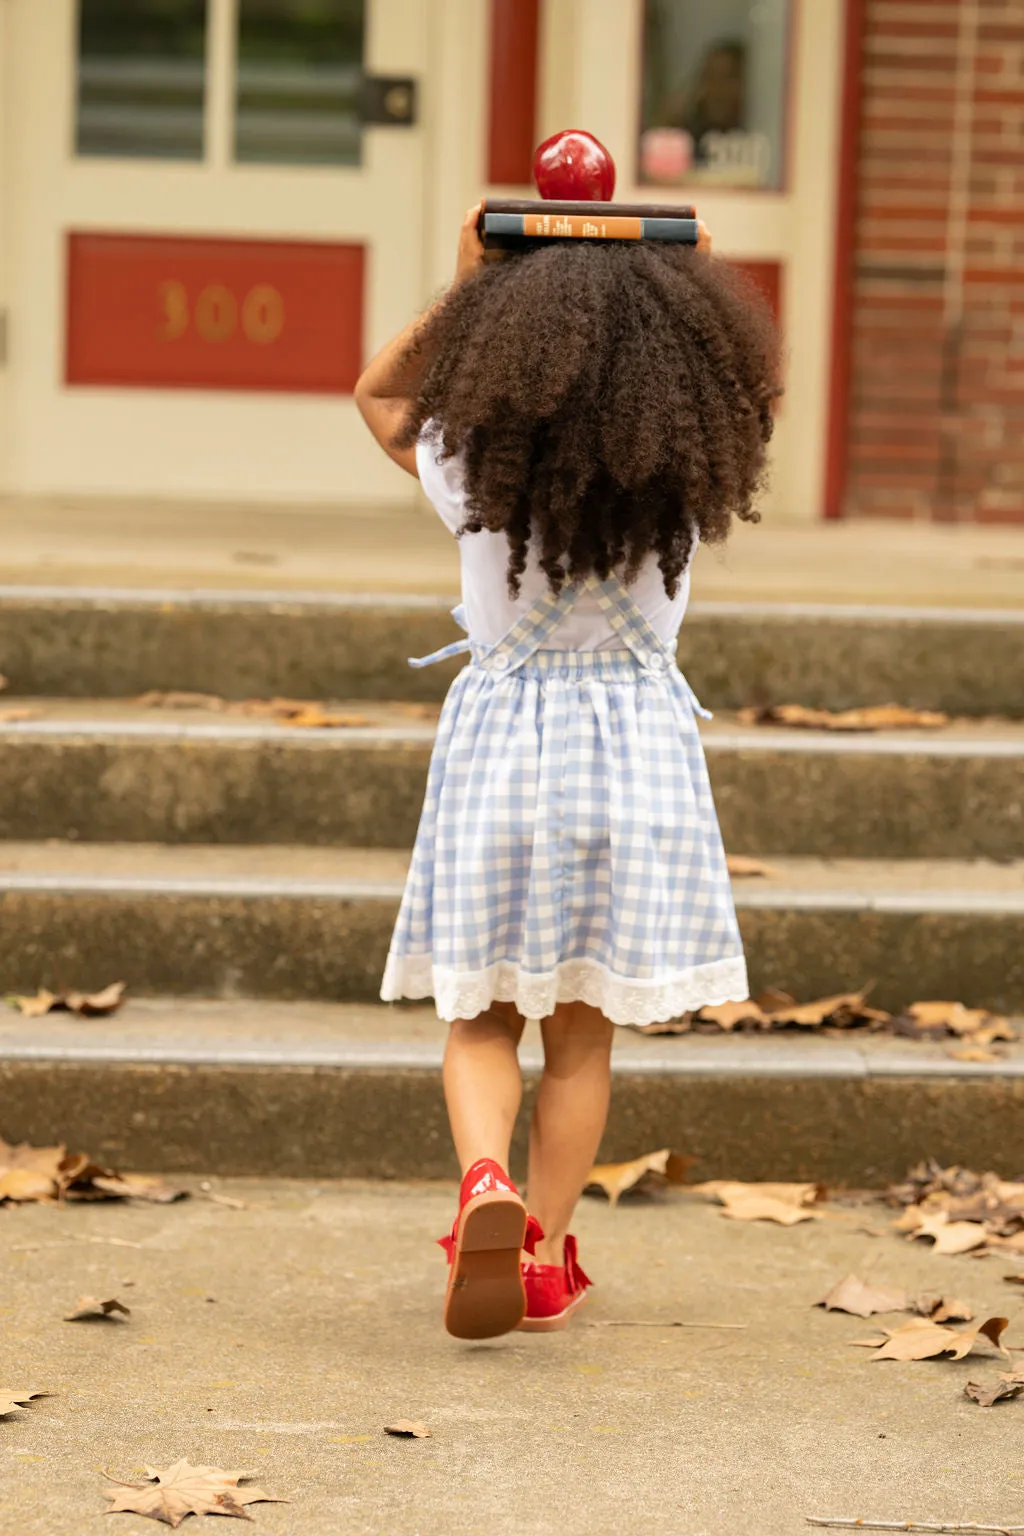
714 91
141 78
300 67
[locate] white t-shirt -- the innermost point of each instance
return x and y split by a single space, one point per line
490 612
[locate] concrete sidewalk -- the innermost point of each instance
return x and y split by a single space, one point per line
282 1337
112 543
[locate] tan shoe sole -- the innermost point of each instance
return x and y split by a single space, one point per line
485 1295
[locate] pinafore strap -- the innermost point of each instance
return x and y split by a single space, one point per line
543 617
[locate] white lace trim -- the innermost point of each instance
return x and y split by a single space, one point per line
623 999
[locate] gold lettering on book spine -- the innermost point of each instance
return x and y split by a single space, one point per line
568 226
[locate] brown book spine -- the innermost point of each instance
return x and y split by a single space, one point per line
534 205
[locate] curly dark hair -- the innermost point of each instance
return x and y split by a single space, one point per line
608 401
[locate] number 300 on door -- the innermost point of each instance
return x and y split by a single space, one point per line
216 313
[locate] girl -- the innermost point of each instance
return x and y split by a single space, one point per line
580 415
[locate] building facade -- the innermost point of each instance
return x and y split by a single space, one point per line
211 211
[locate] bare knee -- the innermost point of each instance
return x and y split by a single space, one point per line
574 1033
499 1021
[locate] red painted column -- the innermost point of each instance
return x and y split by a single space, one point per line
843 278
512 125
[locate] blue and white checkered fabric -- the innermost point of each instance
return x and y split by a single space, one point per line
568 847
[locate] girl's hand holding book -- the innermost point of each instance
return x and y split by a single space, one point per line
471 248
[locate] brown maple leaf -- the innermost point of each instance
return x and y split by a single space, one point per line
413 1427
92 1307
642 1175
11 1399
853 1295
185 1490
784 1203
921 1339
950 1236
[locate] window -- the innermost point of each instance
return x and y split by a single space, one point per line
141 78
299 77
714 88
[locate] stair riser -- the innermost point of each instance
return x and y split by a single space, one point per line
335 1123
117 649
824 804
295 947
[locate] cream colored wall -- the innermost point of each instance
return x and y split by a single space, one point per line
198 443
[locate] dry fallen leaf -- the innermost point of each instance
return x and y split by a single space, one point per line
1015 1279
91 1306
784 1203
413 1427
955 1018
52 1173
921 1339
88 1004
728 1015
184 1490
642 1175
950 1236
299 712
34 1007
1009 1384
943 1309
11 1399
852 1295
743 868
843 1009
874 717
681 1026
30 1173
137 1186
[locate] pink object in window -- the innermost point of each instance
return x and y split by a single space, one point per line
666 154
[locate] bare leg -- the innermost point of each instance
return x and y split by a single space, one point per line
483 1086
568 1118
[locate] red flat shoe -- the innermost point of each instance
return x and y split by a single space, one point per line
553 1292
486 1295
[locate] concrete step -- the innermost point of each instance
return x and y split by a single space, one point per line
324 1090
111 642
101 770
308 923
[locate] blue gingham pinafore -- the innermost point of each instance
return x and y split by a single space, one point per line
568 847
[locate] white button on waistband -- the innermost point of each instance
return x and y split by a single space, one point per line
657 661
499 663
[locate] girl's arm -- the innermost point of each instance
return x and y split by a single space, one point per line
389 382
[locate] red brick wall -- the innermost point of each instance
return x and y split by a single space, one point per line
936 427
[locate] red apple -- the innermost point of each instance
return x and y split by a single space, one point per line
573 166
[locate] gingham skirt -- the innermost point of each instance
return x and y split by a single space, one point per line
568 847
